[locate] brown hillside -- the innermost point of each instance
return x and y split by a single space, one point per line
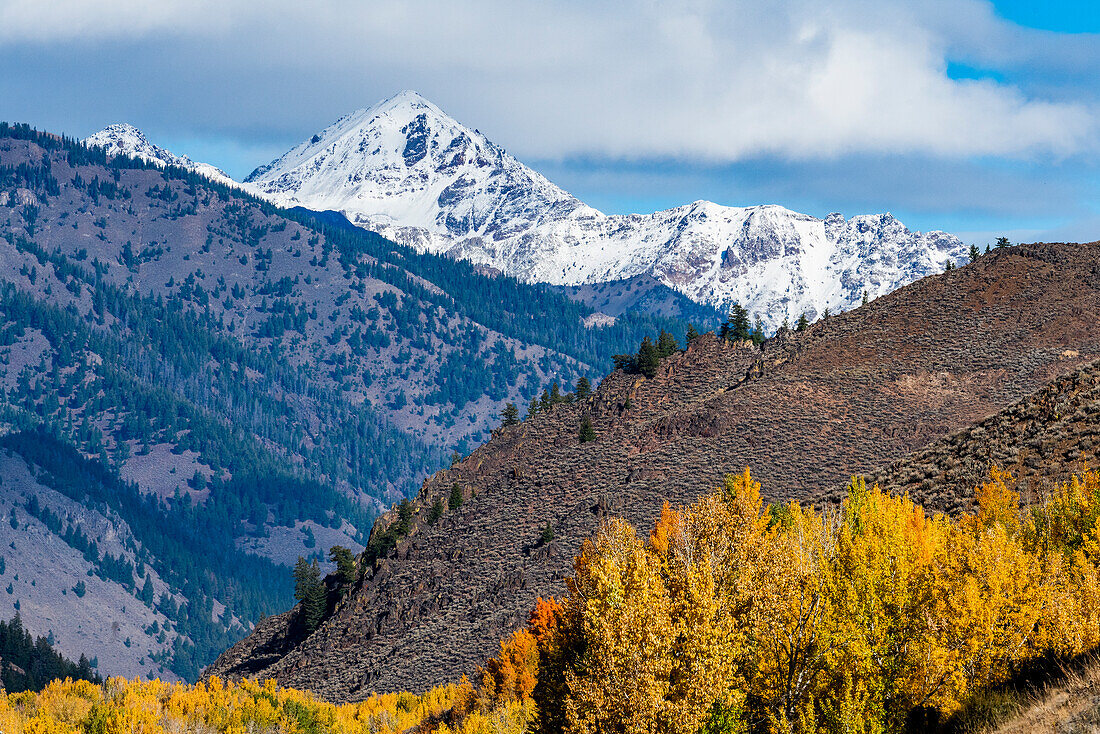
854 392
1041 439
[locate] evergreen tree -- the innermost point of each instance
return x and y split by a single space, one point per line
975 253
533 408
436 511
864 301
692 334
583 389
310 593
625 362
456 497
736 327
948 266
555 394
825 314
1003 242
510 415
758 332
147 591
803 323
586 432
347 571
666 344
544 401
648 358
29 664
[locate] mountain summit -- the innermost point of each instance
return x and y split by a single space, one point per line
407 170
124 139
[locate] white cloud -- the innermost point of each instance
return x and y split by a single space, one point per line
714 80
63 20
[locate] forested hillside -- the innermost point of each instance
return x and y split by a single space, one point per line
28 664
236 385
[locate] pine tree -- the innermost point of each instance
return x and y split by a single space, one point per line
736 327
1003 242
310 593
864 302
555 394
666 344
803 323
648 358
347 571
456 497
533 408
975 253
544 401
625 362
436 511
317 601
510 414
692 334
758 332
147 591
583 389
948 266
585 432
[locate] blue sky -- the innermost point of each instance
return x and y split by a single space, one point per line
972 116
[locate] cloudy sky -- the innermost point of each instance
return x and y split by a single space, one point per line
976 116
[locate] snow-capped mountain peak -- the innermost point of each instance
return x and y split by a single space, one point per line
125 139
404 162
407 170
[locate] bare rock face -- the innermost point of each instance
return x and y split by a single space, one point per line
852 393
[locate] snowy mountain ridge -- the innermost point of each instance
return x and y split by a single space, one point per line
407 170
124 139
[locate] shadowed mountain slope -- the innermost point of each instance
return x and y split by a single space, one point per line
851 393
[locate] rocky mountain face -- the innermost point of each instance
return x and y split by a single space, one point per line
407 170
242 384
852 393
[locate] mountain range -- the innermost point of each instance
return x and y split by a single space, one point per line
407 170
201 380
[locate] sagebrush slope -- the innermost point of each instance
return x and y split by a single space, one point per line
852 393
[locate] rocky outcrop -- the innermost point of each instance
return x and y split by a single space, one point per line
852 393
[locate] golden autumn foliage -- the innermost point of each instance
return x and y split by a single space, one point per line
730 616
154 707
736 616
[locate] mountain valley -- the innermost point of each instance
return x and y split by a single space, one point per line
262 382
